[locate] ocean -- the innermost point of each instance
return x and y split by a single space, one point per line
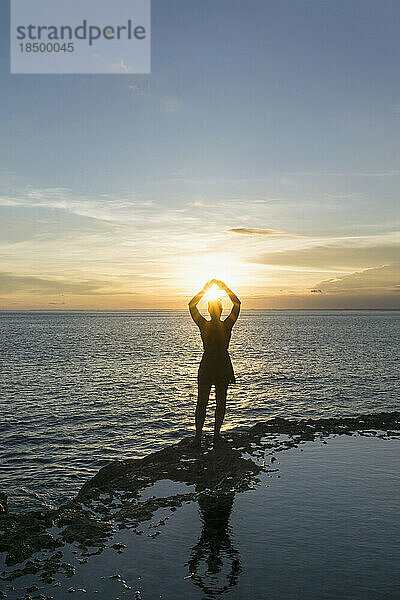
80 389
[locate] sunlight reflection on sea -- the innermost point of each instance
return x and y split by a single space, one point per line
80 389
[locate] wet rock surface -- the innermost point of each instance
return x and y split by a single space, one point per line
112 500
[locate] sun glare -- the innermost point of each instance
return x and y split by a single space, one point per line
198 269
214 293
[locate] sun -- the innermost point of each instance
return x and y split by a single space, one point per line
214 293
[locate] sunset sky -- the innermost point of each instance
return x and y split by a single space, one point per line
263 149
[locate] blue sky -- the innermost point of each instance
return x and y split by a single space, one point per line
277 119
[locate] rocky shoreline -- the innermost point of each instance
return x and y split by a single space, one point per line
112 500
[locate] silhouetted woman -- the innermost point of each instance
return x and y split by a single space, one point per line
215 367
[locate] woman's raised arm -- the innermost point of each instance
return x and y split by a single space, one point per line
194 311
233 315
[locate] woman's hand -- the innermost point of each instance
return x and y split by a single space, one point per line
225 288
220 284
208 284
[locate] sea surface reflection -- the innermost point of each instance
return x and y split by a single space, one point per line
80 389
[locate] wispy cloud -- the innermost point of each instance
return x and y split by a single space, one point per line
171 105
340 196
142 90
326 173
106 207
342 255
10 283
261 231
199 204
381 279
122 67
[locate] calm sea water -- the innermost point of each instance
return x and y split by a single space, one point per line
79 389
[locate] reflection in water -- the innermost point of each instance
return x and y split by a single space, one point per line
214 563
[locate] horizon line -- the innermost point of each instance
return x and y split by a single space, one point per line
185 310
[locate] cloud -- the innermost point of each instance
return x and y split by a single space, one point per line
171 105
324 173
10 284
122 67
103 207
139 90
339 301
341 196
113 225
376 280
198 204
340 256
392 173
260 231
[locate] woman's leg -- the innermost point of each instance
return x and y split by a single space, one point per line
202 401
220 397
